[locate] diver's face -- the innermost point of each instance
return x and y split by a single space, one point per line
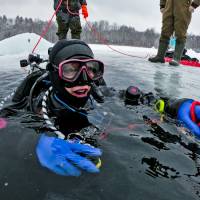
79 91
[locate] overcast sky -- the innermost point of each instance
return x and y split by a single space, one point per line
141 14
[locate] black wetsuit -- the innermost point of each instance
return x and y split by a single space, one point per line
68 119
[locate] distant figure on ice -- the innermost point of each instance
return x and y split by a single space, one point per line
176 18
67 17
172 42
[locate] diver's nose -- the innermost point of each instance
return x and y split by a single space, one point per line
84 75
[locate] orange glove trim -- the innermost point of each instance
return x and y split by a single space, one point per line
84 11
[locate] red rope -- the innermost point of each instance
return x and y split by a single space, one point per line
47 27
93 30
105 42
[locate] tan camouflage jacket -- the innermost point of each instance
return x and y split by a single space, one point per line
194 3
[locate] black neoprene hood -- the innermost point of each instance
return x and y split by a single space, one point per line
66 49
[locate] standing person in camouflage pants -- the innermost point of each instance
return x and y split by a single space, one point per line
176 19
67 17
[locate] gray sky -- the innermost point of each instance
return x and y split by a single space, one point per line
139 14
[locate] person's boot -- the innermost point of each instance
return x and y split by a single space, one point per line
160 57
177 54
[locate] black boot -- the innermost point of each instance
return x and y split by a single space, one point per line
160 57
177 54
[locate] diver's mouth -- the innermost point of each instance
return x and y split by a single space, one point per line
80 91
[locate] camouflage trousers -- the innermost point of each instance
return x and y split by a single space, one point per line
176 19
73 23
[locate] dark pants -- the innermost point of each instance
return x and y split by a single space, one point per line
73 24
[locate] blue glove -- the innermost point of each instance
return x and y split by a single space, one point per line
185 117
61 156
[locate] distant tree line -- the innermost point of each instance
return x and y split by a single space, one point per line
96 33
10 27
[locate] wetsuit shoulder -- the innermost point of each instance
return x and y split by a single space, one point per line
25 86
172 106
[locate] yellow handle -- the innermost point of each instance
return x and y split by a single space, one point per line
160 106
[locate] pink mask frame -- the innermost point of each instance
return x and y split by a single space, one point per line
83 67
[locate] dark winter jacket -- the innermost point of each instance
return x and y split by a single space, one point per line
74 5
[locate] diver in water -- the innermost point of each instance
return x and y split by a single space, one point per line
65 92
186 111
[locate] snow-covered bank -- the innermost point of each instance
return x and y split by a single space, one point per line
21 45
24 43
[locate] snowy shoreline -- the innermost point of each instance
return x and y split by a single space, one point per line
23 44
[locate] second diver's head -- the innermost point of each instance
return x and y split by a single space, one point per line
73 70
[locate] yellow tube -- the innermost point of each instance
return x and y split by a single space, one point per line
160 106
99 163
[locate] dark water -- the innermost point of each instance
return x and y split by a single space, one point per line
143 158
